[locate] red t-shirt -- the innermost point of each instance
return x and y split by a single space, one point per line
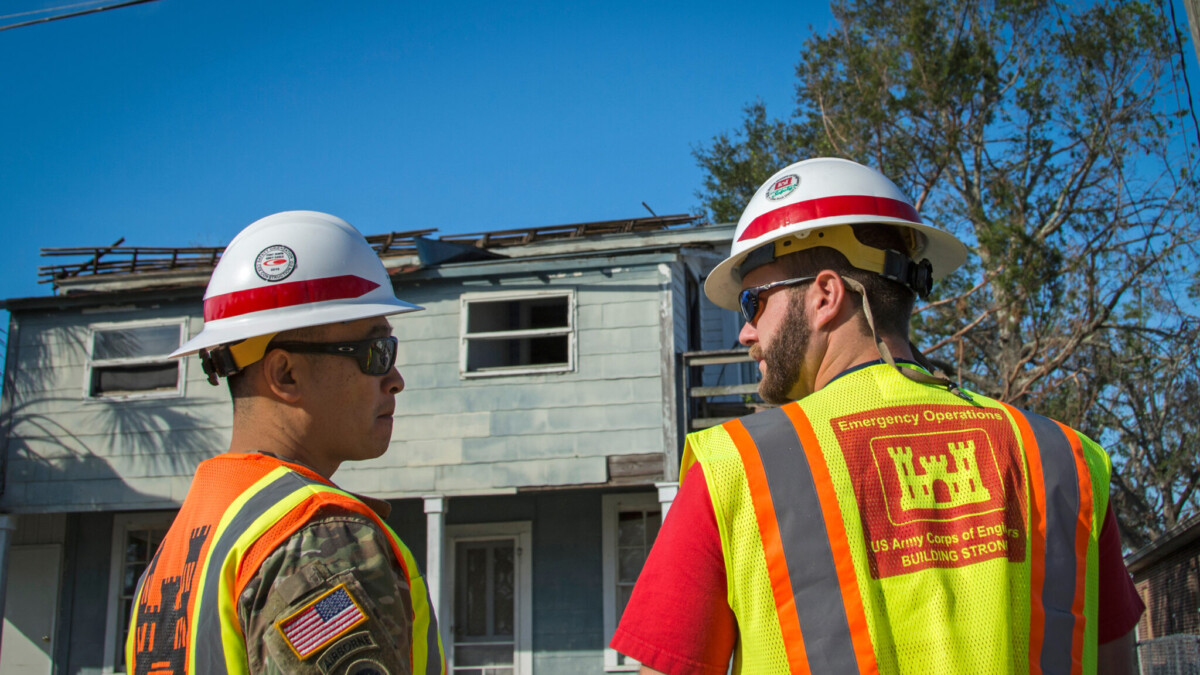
679 621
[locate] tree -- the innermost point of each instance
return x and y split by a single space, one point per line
1047 137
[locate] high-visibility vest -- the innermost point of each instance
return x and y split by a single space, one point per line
885 526
240 508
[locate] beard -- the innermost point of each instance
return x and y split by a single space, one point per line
784 357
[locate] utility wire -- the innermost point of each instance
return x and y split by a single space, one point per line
51 9
1183 70
94 10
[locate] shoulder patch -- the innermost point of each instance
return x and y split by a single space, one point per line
320 622
351 644
367 667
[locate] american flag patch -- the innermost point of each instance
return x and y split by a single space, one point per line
321 621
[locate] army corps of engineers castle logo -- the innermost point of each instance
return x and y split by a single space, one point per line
936 486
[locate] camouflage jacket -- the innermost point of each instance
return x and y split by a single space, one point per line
337 555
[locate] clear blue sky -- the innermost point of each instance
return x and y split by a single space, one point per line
179 122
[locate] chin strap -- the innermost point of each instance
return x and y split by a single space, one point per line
938 378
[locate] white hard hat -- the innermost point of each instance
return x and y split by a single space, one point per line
292 270
816 196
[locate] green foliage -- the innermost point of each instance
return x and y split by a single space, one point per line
1049 138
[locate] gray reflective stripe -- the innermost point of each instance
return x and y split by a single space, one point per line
1062 513
433 657
209 650
810 563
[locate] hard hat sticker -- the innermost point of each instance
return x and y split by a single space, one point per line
783 187
275 263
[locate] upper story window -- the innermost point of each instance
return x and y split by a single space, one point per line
129 360
511 334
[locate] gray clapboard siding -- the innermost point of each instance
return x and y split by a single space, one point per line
493 394
594 341
643 313
105 417
101 494
614 442
72 454
582 419
406 452
386 482
566 471
432 427
598 367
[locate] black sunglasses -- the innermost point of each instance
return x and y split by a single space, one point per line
748 299
375 356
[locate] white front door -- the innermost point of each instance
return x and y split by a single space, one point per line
490 599
31 600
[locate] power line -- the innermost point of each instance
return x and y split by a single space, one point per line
94 10
1183 70
51 9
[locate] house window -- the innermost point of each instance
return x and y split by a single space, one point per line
630 526
129 360
135 540
517 334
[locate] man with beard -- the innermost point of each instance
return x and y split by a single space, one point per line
881 519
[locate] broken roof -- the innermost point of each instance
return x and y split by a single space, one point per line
107 267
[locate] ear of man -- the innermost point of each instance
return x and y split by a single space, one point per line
830 302
282 375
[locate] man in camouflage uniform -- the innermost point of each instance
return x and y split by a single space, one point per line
269 567
336 548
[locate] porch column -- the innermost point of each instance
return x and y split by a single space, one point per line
435 534
666 495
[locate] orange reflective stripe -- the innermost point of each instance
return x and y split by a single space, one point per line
768 527
1037 540
1083 529
856 615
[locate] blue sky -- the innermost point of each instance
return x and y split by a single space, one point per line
178 122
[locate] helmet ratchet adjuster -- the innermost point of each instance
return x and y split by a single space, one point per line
218 362
901 269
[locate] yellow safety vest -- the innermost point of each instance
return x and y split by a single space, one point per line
885 526
240 508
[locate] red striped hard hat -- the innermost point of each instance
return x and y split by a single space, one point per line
293 270
817 194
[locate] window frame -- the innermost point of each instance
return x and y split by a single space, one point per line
123 523
612 506
92 363
570 331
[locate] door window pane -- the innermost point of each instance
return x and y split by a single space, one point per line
636 531
484 607
140 546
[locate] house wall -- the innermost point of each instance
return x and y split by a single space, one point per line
66 453
568 619
1171 590
456 435
452 435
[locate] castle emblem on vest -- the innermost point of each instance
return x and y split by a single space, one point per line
963 484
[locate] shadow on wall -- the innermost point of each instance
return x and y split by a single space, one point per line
65 453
